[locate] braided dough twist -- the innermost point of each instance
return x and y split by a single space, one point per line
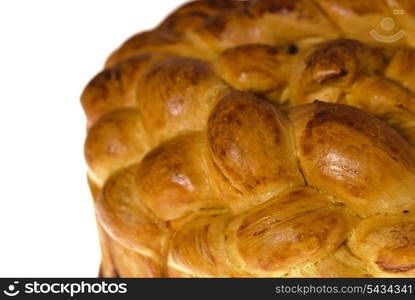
268 138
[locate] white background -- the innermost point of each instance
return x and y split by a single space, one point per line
48 52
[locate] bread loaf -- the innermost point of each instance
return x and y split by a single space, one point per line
267 138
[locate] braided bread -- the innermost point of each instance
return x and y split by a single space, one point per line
268 138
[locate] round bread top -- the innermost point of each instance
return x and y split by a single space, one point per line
268 138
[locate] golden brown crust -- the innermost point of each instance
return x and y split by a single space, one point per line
387 244
172 179
350 72
387 100
126 217
155 41
198 250
362 19
294 19
107 268
114 88
405 20
297 227
115 141
232 29
257 68
327 70
208 155
340 263
344 152
177 94
402 68
193 14
256 162
129 263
